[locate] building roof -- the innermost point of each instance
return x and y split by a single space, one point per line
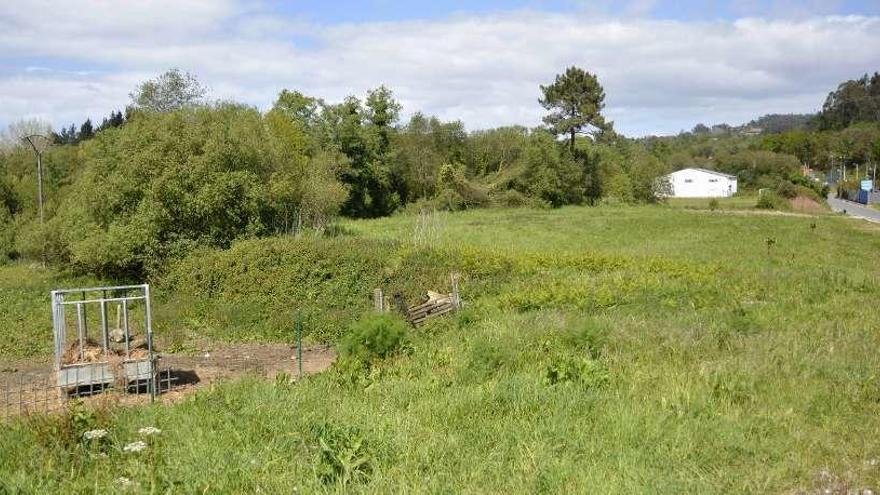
706 170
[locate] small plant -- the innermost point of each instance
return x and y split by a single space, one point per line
770 242
343 456
590 373
375 337
713 204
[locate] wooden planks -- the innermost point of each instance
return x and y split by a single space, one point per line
435 304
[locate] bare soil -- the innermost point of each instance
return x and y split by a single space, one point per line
29 385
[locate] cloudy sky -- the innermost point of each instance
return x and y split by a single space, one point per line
665 64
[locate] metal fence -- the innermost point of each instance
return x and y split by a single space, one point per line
122 354
23 394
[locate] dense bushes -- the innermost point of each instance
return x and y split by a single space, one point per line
166 183
126 201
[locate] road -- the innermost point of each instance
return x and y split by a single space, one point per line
854 209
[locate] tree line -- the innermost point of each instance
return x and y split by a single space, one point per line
176 172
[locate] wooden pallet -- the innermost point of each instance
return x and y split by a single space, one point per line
435 304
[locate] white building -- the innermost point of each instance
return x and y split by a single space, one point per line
701 183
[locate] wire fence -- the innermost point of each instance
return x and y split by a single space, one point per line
23 394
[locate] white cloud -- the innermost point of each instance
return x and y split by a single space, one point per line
659 76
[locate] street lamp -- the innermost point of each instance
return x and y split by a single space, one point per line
39 143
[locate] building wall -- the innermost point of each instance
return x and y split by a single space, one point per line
690 183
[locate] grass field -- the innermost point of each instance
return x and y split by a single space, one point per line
602 350
738 202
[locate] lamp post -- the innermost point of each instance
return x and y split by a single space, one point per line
39 143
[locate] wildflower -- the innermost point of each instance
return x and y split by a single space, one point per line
94 434
135 446
149 430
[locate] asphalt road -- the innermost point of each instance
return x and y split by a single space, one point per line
854 209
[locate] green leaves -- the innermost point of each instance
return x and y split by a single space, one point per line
576 100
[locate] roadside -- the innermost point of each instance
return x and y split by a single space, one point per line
854 209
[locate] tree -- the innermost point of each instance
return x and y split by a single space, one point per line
853 101
12 137
576 100
700 129
170 91
86 131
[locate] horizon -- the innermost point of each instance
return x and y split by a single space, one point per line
480 63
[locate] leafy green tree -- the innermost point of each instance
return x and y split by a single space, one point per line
576 100
550 174
170 91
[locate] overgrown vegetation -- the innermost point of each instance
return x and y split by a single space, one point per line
583 356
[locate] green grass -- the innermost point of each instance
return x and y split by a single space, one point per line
26 315
737 202
602 350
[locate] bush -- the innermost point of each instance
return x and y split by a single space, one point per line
713 204
769 200
511 198
786 189
374 337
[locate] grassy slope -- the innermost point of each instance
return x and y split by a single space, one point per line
26 314
693 359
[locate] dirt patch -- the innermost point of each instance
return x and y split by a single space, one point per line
267 360
28 386
804 204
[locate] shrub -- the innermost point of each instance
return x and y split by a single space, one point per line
511 198
769 200
375 337
713 204
786 189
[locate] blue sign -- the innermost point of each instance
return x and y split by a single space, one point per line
867 185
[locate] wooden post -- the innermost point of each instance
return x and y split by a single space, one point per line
456 299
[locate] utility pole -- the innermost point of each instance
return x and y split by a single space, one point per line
39 143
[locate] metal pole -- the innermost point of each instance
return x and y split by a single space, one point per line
299 344
148 323
38 150
40 183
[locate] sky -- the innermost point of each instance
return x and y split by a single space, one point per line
665 65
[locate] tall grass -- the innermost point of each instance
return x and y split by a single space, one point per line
602 350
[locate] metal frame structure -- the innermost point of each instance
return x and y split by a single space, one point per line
72 376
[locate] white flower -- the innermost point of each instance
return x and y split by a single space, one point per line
135 446
149 430
94 434
123 481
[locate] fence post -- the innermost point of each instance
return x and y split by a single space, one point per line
299 344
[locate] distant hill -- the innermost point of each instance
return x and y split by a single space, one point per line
774 123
